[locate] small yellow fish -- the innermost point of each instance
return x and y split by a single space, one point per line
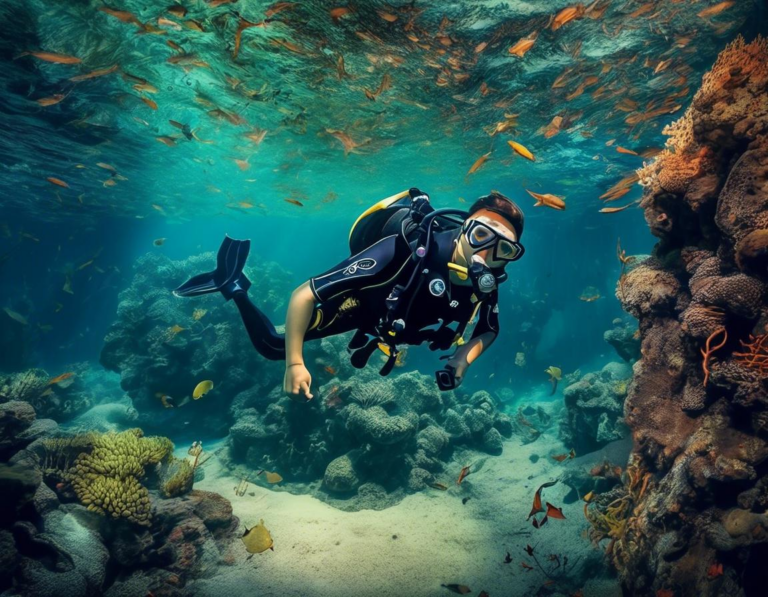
198 314
554 372
202 389
271 477
57 181
479 163
521 150
258 539
176 329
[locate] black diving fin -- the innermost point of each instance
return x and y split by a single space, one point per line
227 278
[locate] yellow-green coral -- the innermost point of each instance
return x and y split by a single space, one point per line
106 479
177 479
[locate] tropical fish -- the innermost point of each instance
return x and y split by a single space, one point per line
158 242
52 100
526 567
567 15
555 375
613 210
560 457
172 331
165 400
121 15
464 472
716 9
715 570
548 200
460 589
271 477
330 370
537 507
198 314
165 140
57 181
347 142
60 378
553 512
439 486
479 163
257 539
151 103
16 316
523 45
52 57
202 389
521 150
294 202
257 136
621 149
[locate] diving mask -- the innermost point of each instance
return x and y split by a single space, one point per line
480 236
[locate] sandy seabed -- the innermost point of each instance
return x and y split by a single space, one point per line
410 549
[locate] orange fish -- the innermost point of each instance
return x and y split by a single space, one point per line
537 507
716 9
57 181
52 57
330 370
567 15
61 377
169 141
294 202
337 13
523 45
439 486
553 512
548 200
121 15
526 567
464 472
52 100
347 142
479 163
151 103
560 457
613 210
621 149
96 73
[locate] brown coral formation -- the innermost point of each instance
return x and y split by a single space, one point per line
698 405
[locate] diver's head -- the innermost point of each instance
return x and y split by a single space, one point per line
491 232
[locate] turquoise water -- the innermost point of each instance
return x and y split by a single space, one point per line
167 135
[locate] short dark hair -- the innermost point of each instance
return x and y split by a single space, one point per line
504 206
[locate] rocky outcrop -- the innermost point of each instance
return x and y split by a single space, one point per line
687 519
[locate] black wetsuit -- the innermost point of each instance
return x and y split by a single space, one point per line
353 296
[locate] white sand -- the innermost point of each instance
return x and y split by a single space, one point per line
321 551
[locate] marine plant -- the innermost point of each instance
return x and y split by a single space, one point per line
106 479
755 355
178 478
61 452
616 515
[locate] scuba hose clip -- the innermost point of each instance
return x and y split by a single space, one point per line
483 279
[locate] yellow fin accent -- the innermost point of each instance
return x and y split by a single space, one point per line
384 203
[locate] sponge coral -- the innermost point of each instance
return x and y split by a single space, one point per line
106 479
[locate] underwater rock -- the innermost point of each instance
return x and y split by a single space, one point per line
697 404
161 345
15 418
376 426
625 341
340 474
594 408
493 443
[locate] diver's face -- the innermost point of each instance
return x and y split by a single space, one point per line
491 223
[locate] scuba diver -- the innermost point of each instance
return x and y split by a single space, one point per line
416 274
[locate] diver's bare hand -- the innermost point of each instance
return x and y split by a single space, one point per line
297 381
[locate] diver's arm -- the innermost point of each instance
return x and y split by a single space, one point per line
484 334
297 379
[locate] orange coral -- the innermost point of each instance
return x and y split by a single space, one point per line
756 355
707 351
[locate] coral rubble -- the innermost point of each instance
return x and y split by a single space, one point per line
692 500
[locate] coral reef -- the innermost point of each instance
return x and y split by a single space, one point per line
51 545
105 479
395 433
594 408
162 346
54 397
692 501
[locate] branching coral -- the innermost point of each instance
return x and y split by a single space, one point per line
106 479
618 519
756 354
708 349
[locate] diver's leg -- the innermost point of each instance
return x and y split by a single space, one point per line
262 333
